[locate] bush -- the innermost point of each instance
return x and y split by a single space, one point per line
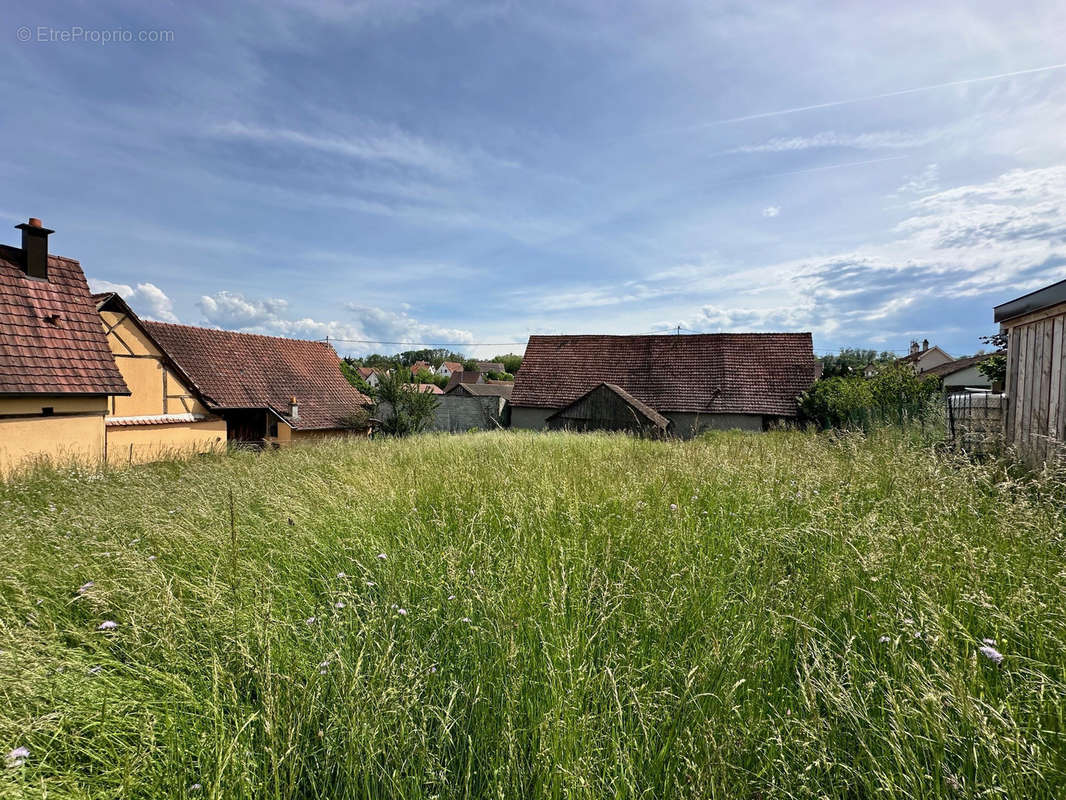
401 408
895 396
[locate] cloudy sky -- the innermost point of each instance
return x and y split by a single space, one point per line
472 171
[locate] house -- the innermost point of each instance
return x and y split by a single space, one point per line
56 369
473 406
961 374
923 357
448 367
463 376
163 414
1035 325
426 388
269 390
697 382
870 370
490 366
422 366
369 375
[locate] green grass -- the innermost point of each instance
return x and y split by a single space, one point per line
569 632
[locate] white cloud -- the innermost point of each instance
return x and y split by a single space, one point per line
928 180
371 328
771 211
382 144
876 140
148 300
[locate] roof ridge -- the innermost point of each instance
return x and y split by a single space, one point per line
236 333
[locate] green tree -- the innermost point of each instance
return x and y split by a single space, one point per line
995 366
511 362
852 360
400 407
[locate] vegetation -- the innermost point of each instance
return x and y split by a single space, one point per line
995 366
518 615
896 395
852 361
511 362
400 407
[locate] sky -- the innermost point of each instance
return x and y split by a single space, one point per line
385 172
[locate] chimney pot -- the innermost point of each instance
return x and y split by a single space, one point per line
35 222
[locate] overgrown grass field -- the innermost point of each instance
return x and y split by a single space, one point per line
512 615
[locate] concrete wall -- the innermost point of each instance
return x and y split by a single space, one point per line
138 444
74 434
530 418
686 425
457 413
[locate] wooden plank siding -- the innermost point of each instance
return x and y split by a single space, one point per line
1036 385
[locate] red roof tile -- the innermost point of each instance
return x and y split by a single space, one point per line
719 373
51 338
245 370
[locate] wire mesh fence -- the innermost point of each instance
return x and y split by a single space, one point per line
975 422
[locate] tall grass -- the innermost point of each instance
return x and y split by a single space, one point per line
514 615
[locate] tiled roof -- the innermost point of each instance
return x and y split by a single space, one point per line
51 339
453 366
646 411
461 376
490 366
154 419
245 370
959 364
714 373
500 389
427 388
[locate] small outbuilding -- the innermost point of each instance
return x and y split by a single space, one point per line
609 408
1035 325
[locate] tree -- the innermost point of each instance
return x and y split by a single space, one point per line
995 366
401 408
511 362
901 395
852 360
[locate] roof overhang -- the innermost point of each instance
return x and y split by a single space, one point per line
1049 296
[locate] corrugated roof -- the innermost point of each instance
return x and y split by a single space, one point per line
719 373
246 370
51 338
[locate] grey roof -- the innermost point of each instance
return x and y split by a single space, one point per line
1034 301
483 389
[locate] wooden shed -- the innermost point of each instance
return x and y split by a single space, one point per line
609 408
1035 325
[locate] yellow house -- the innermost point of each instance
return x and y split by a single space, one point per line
56 370
163 415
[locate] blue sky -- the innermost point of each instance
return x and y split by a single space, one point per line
476 171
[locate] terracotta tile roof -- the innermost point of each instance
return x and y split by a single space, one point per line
453 366
499 389
155 419
490 366
418 366
427 388
245 370
646 411
67 355
715 373
461 376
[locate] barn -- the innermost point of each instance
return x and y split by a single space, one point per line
695 383
1035 325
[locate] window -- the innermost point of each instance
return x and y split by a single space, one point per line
48 411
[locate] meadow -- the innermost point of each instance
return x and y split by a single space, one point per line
512 615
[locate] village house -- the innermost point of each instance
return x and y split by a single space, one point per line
463 376
695 383
369 375
163 414
448 367
423 366
57 374
960 375
923 357
490 366
269 390
1035 325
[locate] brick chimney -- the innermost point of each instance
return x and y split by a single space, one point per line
35 248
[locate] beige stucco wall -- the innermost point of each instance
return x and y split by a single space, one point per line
138 444
74 434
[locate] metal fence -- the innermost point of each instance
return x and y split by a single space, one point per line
975 422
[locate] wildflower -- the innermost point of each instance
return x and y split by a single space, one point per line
107 625
432 670
339 604
18 756
991 653
195 787
95 670
402 612
989 642
85 587
371 584
673 506
151 558
466 619
341 575
451 597
323 668
885 639
382 556
310 620
908 621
